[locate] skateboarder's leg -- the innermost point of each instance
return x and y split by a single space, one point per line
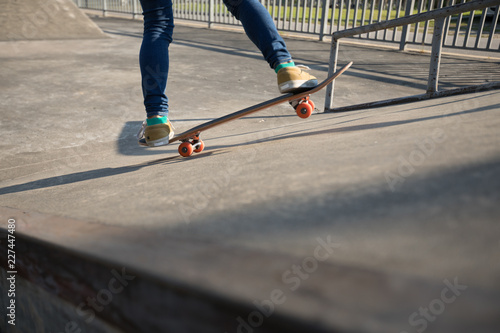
260 28
154 65
153 56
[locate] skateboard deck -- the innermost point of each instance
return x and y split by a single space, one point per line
191 141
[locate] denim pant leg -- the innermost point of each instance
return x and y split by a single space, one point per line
153 57
260 28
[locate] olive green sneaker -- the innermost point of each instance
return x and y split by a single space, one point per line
155 132
295 78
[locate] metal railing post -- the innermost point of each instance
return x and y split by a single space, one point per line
134 9
437 45
332 67
325 11
211 13
404 33
104 7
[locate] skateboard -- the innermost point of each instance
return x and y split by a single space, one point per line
304 106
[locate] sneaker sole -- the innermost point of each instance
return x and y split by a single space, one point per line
156 143
290 86
160 142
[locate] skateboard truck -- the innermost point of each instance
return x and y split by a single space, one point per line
190 145
304 106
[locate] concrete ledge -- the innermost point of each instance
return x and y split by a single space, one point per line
69 291
115 284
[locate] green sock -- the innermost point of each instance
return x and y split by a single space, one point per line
286 64
156 120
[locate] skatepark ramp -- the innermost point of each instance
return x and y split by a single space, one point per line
45 19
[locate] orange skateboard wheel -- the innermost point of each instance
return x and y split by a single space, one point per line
186 149
200 147
304 110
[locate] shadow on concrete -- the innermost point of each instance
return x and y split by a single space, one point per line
128 145
301 133
415 204
443 102
252 54
450 77
443 189
95 174
124 147
411 72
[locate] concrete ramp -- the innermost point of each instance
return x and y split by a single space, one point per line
44 19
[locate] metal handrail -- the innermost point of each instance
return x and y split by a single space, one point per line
434 14
439 15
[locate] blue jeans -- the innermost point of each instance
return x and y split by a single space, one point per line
158 30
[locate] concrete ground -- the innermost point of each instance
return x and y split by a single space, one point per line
381 220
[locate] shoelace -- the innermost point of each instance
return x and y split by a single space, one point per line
304 67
